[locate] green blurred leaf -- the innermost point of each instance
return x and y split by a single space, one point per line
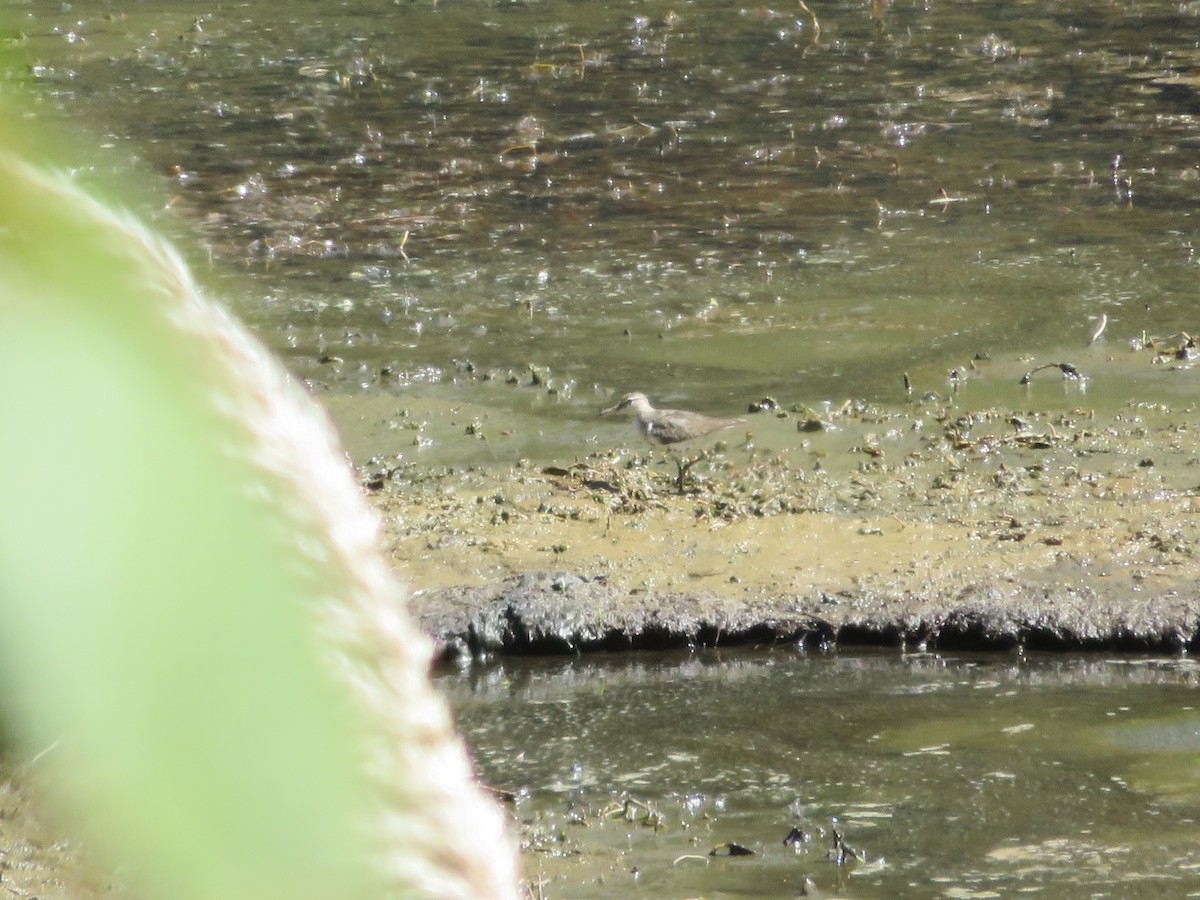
151 597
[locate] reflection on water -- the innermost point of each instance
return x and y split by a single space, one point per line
952 776
703 201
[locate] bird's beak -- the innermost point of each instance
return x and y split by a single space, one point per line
606 411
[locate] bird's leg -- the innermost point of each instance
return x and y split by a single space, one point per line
685 466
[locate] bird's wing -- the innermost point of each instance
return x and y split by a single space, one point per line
668 431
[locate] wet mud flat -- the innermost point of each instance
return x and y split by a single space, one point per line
925 527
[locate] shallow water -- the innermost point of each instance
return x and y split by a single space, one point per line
709 203
953 776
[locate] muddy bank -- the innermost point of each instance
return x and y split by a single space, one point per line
548 612
928 527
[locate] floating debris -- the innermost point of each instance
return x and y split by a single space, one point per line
944 199
1187 350
839 850
796 838
1069 372
630 809
730 849
766 404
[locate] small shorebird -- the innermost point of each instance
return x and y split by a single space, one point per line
670 426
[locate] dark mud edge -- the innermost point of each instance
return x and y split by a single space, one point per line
562 613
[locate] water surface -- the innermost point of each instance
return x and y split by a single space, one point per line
703 201
951 776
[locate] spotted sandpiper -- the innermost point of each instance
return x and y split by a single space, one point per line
670 426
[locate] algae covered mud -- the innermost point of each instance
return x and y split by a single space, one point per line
923 527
